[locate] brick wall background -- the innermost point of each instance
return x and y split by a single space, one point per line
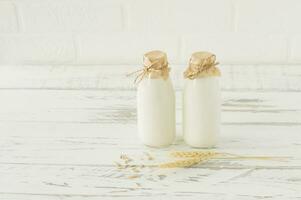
77 32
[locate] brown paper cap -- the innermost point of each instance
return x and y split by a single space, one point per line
202 64
199 58
155 59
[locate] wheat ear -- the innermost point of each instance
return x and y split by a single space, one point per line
193 154
180 163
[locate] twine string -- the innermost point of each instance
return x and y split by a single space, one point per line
207 64
148 69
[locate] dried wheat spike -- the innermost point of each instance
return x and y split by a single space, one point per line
193 154
133 176
125 158
181 163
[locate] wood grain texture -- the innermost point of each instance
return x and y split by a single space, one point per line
105 106
234 77
62 128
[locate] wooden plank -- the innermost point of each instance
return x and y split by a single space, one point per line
80 165
119 106
91 148
54 182
64 166
235 77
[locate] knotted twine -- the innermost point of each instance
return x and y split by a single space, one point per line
202 64
155 66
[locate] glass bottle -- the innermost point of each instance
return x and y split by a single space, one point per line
202 101
155 101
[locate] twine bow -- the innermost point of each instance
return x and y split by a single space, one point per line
154 70
200 66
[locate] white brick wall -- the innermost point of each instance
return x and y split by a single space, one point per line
120 31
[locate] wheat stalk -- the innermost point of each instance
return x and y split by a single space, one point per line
194 154
235 156
180 163
192 158
212 154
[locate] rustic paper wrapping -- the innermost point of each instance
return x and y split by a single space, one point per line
155 66
202 64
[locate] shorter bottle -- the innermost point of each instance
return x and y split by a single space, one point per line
201 101
155 101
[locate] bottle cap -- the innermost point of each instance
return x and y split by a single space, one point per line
202 64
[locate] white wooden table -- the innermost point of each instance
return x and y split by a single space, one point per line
62 128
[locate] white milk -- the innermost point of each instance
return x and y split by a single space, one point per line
156 112
201 112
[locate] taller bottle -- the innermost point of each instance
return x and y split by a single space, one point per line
201 101
155 101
